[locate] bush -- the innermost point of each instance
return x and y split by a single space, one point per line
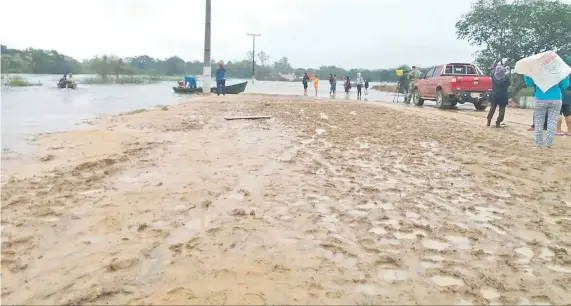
17 81
122 80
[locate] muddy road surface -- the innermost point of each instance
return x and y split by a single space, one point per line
327 202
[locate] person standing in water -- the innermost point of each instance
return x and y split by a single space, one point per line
331 84
500 85
305 82
347 86
316 83
359 83
366 87
221 79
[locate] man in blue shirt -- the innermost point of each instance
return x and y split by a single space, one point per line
220 79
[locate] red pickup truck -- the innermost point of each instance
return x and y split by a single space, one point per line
453 83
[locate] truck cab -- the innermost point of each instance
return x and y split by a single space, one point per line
453 83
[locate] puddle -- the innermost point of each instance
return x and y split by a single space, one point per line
50 219
412 215
559 268
394 275
378 231
358 213
529 235
429 264
435 245
389 241
402 235
92 191
459 242
444 281
463 302
323 116
367 289
369 205
387 206
436 258
546 254
490 293
526 253
392 222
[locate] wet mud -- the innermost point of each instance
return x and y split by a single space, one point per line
324 203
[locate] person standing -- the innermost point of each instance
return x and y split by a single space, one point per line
366 87
565 106
221 79
347 86
305 82
411 78
403 85
316 83
359 83
500 85
331 82
546 102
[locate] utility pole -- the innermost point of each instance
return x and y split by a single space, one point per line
206 72
254 35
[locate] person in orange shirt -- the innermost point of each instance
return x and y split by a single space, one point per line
316 83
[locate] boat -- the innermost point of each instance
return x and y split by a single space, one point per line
230 90
70 85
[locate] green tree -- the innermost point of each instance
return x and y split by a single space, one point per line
506 32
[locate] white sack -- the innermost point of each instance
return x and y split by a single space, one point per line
546 69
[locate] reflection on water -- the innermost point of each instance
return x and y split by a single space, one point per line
33 110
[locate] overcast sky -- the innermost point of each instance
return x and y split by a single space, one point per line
311 33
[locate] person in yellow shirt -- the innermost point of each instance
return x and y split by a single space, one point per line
316 83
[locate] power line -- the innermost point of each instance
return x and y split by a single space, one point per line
254 35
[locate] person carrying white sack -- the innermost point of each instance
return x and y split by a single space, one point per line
549 75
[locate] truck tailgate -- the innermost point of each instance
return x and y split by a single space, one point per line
473 83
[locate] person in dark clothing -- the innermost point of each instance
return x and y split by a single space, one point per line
331 84
305 82
500 85
366 87
347 86
403 85
221 79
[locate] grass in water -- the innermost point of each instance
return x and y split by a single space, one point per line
122 80
17 81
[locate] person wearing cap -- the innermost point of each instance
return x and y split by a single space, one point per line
565 105
412 77
220 79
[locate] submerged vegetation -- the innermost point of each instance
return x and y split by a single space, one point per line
17 81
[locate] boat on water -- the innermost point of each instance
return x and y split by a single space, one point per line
70 85
230 89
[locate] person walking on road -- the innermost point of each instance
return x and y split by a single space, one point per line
305 82
411 78
546 102
500 85
221 79
565 106
359 83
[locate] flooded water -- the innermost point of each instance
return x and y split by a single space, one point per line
32 110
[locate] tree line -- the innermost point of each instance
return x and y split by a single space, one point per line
38 61
503 31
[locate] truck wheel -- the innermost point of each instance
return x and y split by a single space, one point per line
416 99
482 105
440 99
